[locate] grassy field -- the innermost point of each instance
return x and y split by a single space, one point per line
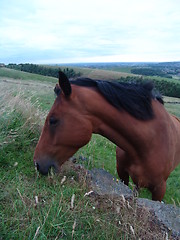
14 74
37 207
122 69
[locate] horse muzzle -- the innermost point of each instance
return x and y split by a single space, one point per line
44 168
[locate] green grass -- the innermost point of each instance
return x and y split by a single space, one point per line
15 74
173 109
23 110
172 105
38 207
22 216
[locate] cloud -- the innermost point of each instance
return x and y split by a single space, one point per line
65 30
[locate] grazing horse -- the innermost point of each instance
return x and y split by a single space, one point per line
130 115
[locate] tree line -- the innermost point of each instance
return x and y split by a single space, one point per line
165 87
43 70
150 72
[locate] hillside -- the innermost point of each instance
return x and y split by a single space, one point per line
15 74
101 73
164 69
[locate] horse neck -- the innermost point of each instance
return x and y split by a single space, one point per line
118 126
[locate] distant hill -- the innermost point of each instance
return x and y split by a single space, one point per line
162 69
93 72
101 73
167 86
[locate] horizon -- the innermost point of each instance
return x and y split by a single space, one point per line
76 63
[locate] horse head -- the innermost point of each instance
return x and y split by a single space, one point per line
66 128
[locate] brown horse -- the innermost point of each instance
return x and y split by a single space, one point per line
130 115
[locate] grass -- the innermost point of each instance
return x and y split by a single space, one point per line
102 74
37 207
15 74
172 105
124 69
50 216
173 109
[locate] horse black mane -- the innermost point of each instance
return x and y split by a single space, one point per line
135 98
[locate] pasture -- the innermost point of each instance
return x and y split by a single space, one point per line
37 207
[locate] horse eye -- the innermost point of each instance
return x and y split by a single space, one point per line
53 121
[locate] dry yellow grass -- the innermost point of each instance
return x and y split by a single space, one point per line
102 74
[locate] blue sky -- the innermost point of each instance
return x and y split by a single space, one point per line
66 31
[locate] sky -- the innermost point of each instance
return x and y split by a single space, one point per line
74 31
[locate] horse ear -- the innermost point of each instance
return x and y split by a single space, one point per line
64 84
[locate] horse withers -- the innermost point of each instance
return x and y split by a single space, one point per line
130 115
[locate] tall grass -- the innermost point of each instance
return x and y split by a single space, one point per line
37 207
